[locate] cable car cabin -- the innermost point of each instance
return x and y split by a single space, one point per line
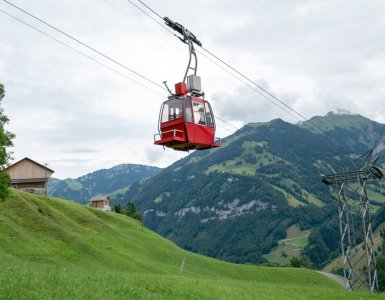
186 123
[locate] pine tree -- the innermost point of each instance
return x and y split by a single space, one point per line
5 142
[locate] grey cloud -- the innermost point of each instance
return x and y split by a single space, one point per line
81 150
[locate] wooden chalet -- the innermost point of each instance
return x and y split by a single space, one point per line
101 202
29 176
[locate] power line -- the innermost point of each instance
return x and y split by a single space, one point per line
79 52
87 46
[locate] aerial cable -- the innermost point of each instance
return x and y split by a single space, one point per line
148 15
230 67
81 53
153 11
245 83
235 127
321 131
87 46
248 85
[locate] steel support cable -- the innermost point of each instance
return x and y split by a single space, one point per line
148 15
96 61
162 25
235 70
87 46
235 127
223 62
321 131
153 11
248 85
132 18
81 53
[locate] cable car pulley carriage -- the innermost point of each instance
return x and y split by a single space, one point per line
186 120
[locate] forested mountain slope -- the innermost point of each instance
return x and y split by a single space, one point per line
103 181
235 202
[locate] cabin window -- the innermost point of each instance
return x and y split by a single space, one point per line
188 110
172 110
199 113
209 115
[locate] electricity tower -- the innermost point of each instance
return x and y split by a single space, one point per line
355 223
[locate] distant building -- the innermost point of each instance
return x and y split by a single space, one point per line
101 202
29 176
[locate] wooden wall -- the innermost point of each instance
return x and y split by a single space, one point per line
26 169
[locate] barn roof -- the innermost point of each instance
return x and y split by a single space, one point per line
100 198
32 161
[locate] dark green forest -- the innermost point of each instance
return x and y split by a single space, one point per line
233 202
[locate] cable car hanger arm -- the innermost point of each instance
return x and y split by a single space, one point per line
187 35
188 38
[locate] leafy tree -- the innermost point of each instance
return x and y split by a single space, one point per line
381 272
131 211
118 208
5 142
131 208
295 262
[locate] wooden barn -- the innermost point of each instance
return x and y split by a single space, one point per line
101 202
29 176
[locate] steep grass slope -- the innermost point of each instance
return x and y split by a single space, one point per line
54 249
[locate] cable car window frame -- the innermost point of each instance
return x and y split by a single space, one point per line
198 109
188 110
171 110
209 115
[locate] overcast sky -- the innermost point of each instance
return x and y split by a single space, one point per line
78 116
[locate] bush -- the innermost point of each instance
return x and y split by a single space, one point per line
381 272
295 262
5 182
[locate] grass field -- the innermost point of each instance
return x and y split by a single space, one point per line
377 242
54 249
289 247
291 200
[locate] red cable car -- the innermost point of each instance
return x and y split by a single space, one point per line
186 120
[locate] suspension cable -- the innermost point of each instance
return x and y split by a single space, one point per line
87 46
321 131
81 53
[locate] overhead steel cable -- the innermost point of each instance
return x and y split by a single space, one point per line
232 68
79 52
153 11
302 117
321 131
87 46
148 15
248 85
235 127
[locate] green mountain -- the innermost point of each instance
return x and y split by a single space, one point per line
103 181
54 249
355 132
238 201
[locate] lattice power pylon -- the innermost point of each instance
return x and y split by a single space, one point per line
359 262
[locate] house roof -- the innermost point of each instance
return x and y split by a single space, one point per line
101 198
32 161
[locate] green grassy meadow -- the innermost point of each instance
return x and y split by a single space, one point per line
289 247
55 249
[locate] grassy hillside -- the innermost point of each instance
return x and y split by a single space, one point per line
54 249
296 239
105 181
